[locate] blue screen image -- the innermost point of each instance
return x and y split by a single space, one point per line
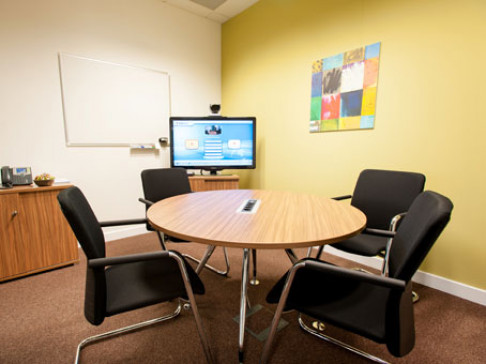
212 143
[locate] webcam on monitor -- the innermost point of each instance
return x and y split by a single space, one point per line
215 108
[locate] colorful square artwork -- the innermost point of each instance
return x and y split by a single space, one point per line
344 90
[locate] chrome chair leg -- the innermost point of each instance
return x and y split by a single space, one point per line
192 301
338 342
243 302
278 312
124 330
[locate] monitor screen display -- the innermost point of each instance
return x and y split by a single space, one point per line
212 143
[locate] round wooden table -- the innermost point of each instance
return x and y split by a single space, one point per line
280 220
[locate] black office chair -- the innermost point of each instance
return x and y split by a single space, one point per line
161 183
384 197
124 283
376 307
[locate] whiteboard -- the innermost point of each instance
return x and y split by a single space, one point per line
110 104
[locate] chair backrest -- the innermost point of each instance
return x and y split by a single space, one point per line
426 219
382 194
83 221
88 231
162 183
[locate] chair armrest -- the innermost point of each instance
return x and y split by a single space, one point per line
379 232
395 220
123 222
132 258
354 275
146 202
339 198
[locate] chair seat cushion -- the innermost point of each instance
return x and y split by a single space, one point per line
333 300
363 244
135 285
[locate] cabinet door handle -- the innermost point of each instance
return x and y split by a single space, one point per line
15 213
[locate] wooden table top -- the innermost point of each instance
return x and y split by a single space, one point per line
283 220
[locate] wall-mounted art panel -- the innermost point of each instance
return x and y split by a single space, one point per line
343 95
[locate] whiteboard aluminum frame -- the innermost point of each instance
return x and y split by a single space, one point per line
66 131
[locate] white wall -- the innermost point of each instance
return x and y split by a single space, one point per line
146 33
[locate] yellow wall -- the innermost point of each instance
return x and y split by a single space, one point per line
429 116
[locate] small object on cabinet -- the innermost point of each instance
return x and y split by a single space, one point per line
44 179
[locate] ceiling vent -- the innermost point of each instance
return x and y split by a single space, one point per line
210 4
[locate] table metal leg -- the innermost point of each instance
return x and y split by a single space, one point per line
309 252
292 256
205 258
319 252
254 281
243 299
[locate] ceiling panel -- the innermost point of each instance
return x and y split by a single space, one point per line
217 10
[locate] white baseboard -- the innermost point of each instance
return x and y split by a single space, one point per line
454 288
458 289
123 232
113 233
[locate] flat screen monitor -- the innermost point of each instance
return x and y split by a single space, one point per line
213 143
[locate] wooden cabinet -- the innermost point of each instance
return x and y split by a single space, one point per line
211 183
34 235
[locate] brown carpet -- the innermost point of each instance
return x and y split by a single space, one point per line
42 321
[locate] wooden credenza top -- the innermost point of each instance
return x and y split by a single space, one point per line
218 177
34 188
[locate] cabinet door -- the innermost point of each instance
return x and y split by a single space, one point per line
49 237
209 183
10 251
